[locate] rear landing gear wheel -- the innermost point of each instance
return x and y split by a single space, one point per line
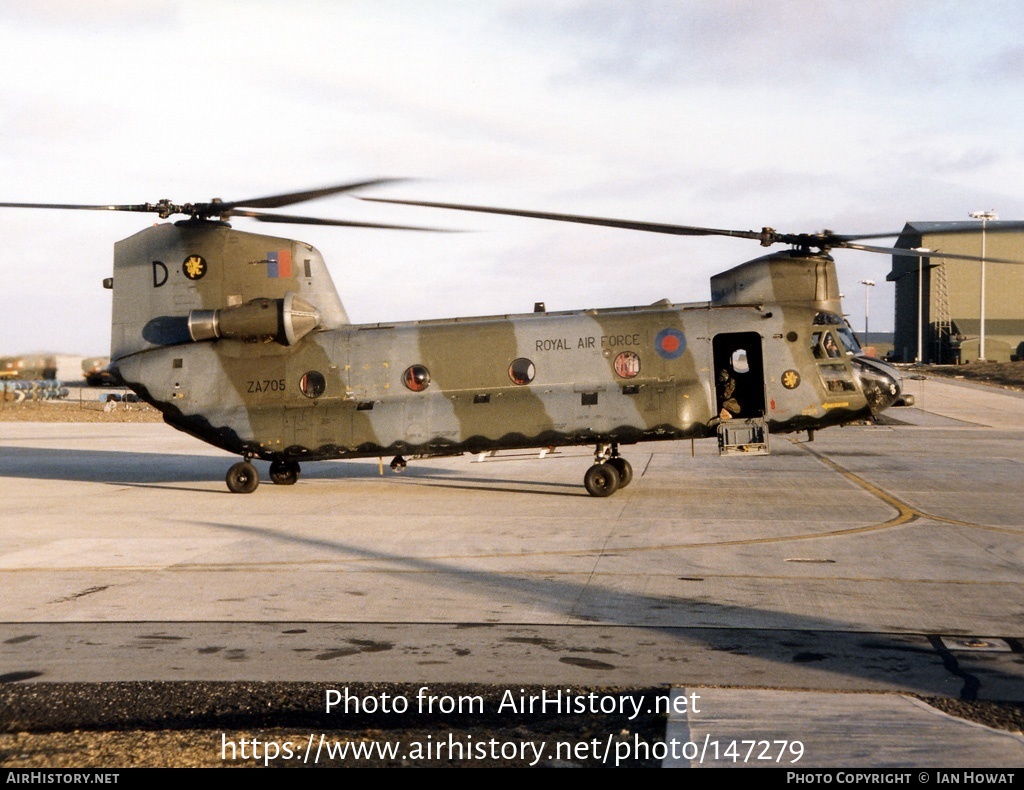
623 467
601 480
284 473
242 478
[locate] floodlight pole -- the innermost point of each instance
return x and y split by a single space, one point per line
984 216
920 303
867 284
920 308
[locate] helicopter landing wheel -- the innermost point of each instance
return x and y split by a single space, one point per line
284 473
242 478
624 468
398 464
601 480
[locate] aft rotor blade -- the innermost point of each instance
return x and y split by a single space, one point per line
80 207
652 227
290 219
291 198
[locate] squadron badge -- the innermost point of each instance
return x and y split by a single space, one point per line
194 267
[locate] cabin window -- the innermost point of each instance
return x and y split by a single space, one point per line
416 378
313 384
627 365
522 371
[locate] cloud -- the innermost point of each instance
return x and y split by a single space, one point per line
825 44
127 16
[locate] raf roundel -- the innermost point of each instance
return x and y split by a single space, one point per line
670 343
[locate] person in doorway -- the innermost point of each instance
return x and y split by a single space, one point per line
729 407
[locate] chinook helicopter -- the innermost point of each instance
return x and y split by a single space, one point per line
241 340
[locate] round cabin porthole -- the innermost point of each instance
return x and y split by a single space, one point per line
416 378
627 365
313 384
522 371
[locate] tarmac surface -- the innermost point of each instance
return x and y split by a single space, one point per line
811 596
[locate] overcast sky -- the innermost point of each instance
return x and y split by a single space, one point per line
801 115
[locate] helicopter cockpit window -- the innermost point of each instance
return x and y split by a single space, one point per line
828 319
836 378
849 341
834 372
828 342
819 352
824 345
416 378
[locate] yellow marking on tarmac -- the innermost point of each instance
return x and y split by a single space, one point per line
906 512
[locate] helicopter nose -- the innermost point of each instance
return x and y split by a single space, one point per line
881 383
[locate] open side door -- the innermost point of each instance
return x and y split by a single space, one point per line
740 394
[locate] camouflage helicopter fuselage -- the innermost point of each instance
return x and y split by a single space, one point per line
241 340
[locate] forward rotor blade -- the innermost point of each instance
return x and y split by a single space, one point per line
290 219
291 198
912 253
943 228
652 227
844 237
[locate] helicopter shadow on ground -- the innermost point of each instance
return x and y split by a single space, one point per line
124 467
162 470
807 646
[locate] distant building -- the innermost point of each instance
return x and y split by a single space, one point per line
950 293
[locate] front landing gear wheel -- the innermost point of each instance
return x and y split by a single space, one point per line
284 473
625 470
242 478
601 480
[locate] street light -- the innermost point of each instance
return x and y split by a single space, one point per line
867 284
984 216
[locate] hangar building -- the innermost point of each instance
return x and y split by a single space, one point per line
938 300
